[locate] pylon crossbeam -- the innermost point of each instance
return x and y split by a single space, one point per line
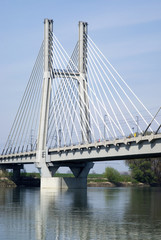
59 73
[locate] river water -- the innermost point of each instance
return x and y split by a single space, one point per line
95 213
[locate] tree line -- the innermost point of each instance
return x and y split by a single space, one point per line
146 170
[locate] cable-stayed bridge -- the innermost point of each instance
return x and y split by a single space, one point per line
75 111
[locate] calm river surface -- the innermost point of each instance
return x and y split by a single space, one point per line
96 213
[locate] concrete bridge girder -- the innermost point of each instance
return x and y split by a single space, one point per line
76 158
101 151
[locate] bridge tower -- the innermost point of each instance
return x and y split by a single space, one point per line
42 152
43 163
83 91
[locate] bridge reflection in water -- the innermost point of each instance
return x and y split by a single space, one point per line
99 213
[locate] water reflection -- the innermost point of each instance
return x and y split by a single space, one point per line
17 213
96 213
143 213
62 214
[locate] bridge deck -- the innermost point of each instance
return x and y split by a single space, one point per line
128 148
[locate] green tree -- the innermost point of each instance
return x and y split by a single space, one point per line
156 167
112 175
146 170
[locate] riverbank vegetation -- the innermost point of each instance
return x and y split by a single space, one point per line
147 170
33 179
142 171
112 175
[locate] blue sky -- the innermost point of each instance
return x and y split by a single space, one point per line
127 32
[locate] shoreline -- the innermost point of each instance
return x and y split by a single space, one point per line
35 182
6 182
120 184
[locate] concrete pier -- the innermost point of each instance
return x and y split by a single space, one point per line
79 181
64 183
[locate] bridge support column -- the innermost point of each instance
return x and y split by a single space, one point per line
16 170
16 174
79 181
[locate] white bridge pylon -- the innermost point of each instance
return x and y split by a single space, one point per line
76 102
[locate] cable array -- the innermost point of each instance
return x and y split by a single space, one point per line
23 134
63 114
122 103
113 107
97 105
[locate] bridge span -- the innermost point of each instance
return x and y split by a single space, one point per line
121 149
79 156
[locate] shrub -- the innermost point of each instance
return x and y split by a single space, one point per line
126 178
112 175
